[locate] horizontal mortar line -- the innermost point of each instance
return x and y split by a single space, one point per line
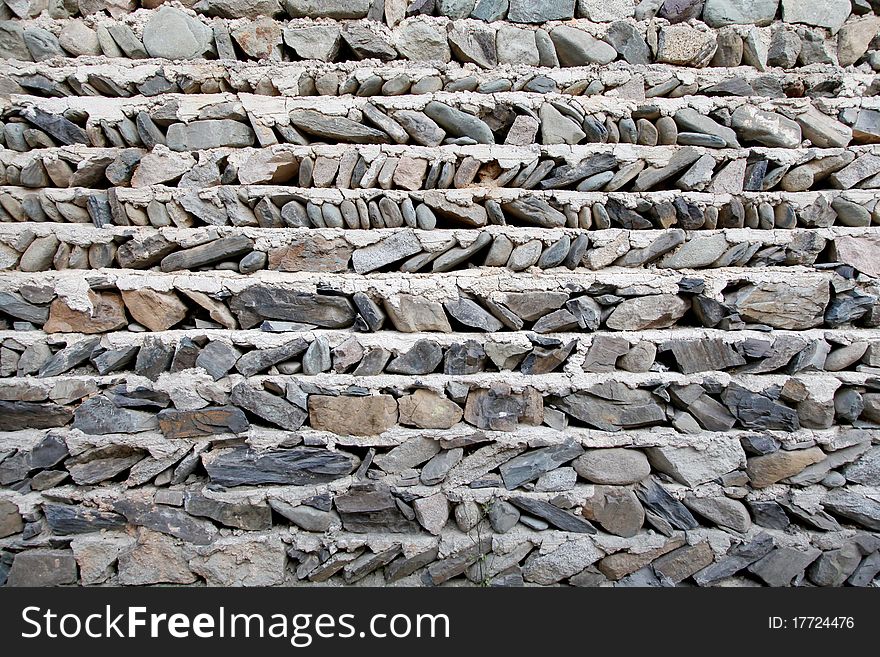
265 339
478 151
330 194
110 231
622 276
549 383
102 63
598 101
523 435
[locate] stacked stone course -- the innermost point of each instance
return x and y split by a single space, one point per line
440 292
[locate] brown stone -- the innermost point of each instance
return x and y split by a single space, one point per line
10 519
410 173
770 468
352 416
680 564
202 422
313 253
154 559
618 565
428 410
616 509
108 314
158 311
861 252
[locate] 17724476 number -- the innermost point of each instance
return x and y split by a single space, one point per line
811 623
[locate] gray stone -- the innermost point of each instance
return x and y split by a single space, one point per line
784 564
658 501
42 567
578 48
172 34
217 358
853 506
718 13
298 466
458 123
210 133
167 520
557 517
534 463
767 128
240 515
268 407
614 466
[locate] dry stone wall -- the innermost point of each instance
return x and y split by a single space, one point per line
440 292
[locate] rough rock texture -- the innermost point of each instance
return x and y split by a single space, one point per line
453 292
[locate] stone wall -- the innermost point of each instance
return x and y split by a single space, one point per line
441 292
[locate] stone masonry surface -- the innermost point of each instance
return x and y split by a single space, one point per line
440 292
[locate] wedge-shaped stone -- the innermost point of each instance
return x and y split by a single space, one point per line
559 518
395 247
337 128
766 470
267 406
531 465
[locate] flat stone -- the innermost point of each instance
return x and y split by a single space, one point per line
568 559
428 410
722 511
614 466
158 311
534 463
767 128
458 123
640 313
474 46
432 512
206 421
782 305
209 133
853 506
336 128
737 559
240 515
829 14
318 42
718 13
768 469
557 517
355 416
422 358
298 466
393 248
411 314
782 565
366 511
305 517
167 520
42 567
258 302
